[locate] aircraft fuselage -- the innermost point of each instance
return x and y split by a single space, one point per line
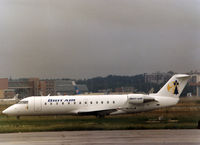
63 105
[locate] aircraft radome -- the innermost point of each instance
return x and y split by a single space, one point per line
101 105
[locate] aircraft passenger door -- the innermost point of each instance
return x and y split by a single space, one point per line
37 104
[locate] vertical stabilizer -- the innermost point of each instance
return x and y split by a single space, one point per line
175 86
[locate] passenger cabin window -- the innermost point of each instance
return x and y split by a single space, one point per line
96 102
74 103
91 102
101 102
79 102
62 103
68 102
45 103
23 102
113 102
107 102
85 102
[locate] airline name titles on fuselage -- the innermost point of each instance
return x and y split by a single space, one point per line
61 100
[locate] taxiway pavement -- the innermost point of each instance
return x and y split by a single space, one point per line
119 137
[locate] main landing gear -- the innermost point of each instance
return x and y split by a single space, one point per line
100 116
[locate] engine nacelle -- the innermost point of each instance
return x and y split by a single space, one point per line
136 100
140 99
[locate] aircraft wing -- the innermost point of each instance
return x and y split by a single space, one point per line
97 112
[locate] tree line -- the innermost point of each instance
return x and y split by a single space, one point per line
112 82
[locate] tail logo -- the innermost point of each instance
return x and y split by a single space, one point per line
173 87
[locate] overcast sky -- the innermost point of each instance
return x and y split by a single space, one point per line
87 38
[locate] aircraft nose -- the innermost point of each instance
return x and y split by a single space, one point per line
5 111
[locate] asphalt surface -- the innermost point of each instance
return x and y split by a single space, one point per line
121 137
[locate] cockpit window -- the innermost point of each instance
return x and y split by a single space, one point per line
23 102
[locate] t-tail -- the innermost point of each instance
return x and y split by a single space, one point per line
175 86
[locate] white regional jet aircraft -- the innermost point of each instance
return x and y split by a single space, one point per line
101 105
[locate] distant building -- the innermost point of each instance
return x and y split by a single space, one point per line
9 93
35 87
3 83
35 82
195 83
47 87
65 87
25 87
3 86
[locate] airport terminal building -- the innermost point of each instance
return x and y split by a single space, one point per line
35 87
